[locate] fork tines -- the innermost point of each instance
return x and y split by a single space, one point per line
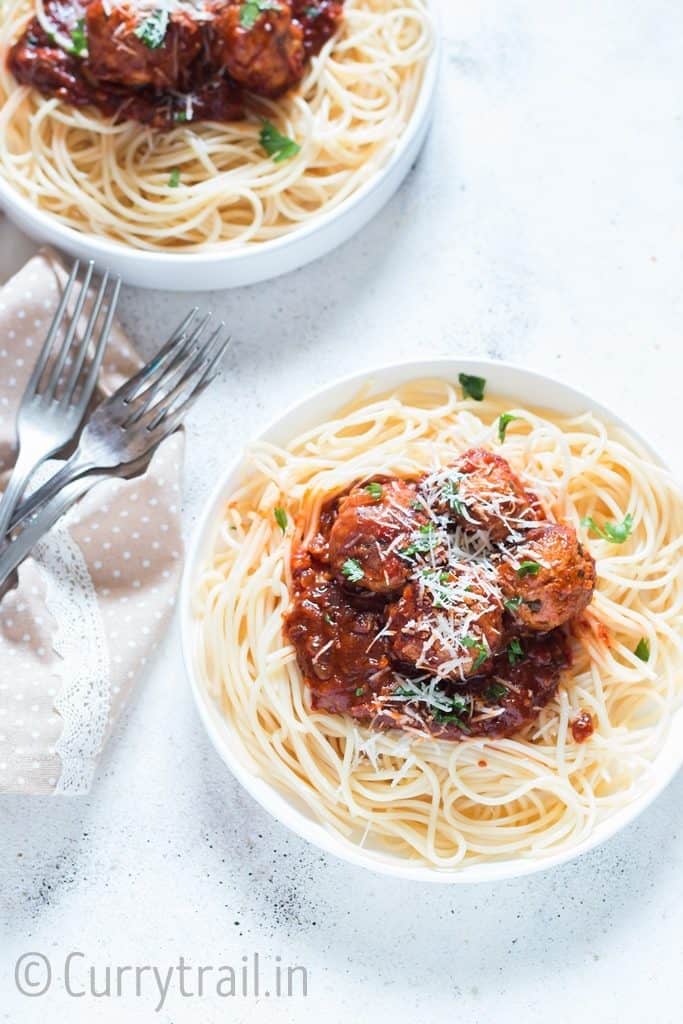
50 380
164 389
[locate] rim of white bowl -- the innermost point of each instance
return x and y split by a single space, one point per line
102 247
276 802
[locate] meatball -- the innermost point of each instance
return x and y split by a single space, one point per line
550 579
481 492
136 50
266 57
374 529
448 623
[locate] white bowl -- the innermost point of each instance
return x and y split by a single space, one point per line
525 387
231 268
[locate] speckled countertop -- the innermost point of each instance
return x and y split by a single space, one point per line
542 224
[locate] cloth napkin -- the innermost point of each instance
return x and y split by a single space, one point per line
95 595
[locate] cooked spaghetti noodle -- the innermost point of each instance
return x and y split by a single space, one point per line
209 185
445 803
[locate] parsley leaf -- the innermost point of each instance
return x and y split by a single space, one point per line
495 691
616 533
512 603
353 570
313 12
422 542
180 116
280 518
472 387
448 717
79 39
152 31
642 651
360 691
252 10
278 146
503 420
528 569
375 490
328 619
460 706
450 495
480 647
515 651
174 178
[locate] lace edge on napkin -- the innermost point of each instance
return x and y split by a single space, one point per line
83 701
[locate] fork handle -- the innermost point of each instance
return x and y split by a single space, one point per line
74 467
16 484
14 552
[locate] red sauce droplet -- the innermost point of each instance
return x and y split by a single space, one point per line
583 727
482 764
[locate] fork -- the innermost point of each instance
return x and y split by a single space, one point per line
143 411
13 553
46 422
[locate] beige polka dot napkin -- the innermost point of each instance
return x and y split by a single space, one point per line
95 595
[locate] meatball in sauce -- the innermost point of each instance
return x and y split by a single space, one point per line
548 579
373 532
481 492
448 623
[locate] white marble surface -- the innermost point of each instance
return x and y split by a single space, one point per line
542 224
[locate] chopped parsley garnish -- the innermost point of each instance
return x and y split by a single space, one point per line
495 691
481 648
180 115
451 497
512 603
515 651
616 533
152 31
440 585
375 490
422 542
328 619
460 707
642 651
503 421
472 387
360 691
174 178
528 569
313 12
251 11
79 39
353 570
281 518
278 146
450 717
